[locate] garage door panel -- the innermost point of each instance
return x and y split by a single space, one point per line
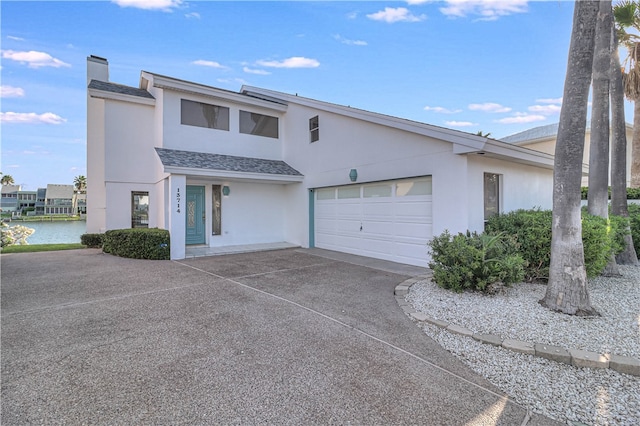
394 227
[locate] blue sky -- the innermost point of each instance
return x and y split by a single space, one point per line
497 66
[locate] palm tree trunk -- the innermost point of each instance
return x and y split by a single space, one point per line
635 146
619 155
567 288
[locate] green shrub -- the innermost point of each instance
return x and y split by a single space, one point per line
632 193
532 231
92 240
138 243
474 261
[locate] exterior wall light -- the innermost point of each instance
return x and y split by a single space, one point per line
226 191
353 175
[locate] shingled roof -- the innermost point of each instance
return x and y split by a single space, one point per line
229 163
119 88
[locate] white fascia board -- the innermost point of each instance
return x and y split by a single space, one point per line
103 94
466 141
225 174
162 82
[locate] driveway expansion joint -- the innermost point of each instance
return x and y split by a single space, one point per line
575 357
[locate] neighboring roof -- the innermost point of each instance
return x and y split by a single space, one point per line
539 132
59 191
7 189
120 89
226 163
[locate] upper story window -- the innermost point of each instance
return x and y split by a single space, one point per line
314 128
252 123
204 115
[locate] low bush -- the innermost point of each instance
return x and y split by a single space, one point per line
632 193
532 231
92 240
138 243
474 261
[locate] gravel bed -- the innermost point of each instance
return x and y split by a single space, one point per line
563 392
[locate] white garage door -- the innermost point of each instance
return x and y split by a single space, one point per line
388 220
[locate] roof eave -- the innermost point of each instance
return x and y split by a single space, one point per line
104 94
234 175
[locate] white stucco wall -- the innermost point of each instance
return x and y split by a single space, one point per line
522 187
201 139
378 153
96 189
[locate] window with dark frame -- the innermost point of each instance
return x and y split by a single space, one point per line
491 195
314 129
252 123
139 209
216 217
199 114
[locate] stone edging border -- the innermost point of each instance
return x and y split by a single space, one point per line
575 357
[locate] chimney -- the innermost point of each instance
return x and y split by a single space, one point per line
97 69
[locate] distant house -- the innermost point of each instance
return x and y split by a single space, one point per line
59 199
9 199
221 168
41 197
543 139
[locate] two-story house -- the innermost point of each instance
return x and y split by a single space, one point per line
221 168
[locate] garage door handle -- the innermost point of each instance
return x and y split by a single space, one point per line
361 227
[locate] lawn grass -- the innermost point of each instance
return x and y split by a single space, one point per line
31 248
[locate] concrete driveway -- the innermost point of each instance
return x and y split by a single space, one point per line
280 337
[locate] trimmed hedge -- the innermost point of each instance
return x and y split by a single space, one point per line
634 223
532 230
632 193
92 240
138 243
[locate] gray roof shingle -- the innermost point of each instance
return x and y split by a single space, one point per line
201 160
534 133
119 88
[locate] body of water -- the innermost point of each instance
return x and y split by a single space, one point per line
54 232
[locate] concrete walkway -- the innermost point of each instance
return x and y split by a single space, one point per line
279 337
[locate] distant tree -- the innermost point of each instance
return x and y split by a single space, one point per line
80 182
567 287
627 20
484 135
6 180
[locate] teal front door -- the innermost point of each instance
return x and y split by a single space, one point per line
195 218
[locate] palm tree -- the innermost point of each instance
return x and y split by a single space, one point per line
627 17
7 180
80 182
567 288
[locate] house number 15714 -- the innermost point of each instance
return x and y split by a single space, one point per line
178 200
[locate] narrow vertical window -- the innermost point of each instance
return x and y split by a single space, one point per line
217 210
139 209
491 195
314 128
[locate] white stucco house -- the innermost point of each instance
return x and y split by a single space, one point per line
543 138
221 168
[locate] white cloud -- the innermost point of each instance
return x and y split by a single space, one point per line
521 118
416 2
163 5
352 15
545 109
31 118
489 107
349 42
255 71
488 10
398 14
442 110
293 62
192 15
211 64
557 101
11 92
460 123
34 59
15 38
